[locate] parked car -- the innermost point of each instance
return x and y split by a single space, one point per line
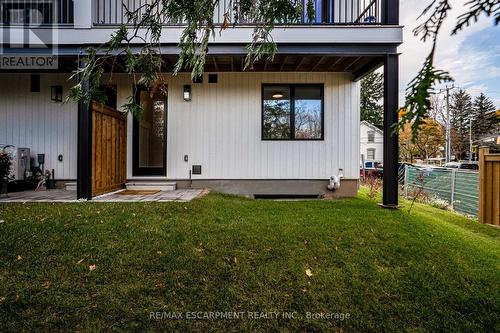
462 165
372 168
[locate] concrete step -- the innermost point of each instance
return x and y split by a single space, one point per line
70 186
150 185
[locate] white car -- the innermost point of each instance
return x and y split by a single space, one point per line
462 165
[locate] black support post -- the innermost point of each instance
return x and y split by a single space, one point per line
84 172
391 153
390 12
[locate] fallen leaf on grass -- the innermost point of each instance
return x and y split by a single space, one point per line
231 260
46 285
92 268
19 258
309 272
159 285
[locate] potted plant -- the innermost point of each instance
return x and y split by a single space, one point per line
5 169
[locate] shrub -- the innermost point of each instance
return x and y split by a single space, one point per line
374 185
5 168
439 203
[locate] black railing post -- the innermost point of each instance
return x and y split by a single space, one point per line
390 12
391 152
84 160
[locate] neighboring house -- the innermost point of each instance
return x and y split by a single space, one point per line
284 127
371 142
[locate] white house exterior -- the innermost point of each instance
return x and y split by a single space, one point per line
227 127
371 142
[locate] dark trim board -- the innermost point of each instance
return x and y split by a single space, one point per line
391 152
84 153
371 66
358 59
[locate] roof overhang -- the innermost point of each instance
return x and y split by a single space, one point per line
301 34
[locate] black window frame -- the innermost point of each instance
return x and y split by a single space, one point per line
292 87
137 170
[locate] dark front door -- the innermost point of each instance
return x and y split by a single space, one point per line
150 134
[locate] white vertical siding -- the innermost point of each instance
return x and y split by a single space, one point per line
32 120
220 129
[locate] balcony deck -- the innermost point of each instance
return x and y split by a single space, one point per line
345 35
114 12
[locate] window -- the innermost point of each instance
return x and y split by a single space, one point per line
371 136
292 112
370 153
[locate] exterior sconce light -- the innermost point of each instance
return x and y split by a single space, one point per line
56 93
278 95
187 93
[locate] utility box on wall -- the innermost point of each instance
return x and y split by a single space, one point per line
196 170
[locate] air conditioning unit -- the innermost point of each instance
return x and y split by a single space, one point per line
21 161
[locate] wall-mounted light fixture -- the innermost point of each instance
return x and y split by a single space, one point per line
187 92
56 93
278 95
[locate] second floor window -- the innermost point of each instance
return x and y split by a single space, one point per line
371 136
292 112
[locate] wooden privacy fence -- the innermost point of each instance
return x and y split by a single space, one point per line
109 149
489 187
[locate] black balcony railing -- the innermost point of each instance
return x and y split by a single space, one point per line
36 12
113 12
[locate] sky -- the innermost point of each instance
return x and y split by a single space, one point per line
472 56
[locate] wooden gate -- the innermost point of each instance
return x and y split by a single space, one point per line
489 187
109 149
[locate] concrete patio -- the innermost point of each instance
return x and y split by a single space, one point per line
62 195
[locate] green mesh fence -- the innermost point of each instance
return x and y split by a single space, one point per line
459 188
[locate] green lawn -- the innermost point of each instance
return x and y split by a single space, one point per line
425 272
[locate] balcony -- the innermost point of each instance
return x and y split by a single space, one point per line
332 12
342 26
113 13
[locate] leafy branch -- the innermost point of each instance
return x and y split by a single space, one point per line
135 46
420 89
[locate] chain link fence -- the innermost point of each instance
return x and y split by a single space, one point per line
459 188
